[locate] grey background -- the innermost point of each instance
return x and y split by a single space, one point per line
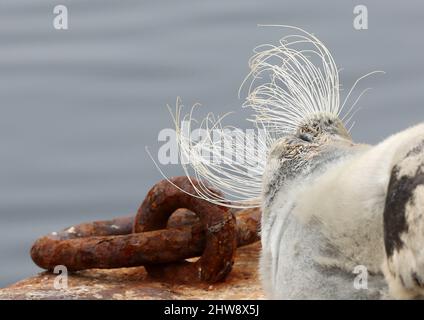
79 106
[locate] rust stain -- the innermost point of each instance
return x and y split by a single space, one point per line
169 227
134 283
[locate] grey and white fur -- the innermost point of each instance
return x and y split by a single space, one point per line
339 209
328 204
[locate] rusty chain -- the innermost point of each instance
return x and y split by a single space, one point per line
169 227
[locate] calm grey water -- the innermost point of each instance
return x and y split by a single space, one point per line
79 106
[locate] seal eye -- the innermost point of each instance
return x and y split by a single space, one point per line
305 137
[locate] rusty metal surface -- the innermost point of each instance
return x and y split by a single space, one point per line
50 250
197 228
218 223
135 283
119 251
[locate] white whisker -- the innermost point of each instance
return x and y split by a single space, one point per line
289 83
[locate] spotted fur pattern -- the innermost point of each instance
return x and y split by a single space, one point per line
404 226
330 205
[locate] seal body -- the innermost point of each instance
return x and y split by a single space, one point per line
323 203
330 207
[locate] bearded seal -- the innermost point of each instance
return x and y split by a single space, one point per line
328 204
